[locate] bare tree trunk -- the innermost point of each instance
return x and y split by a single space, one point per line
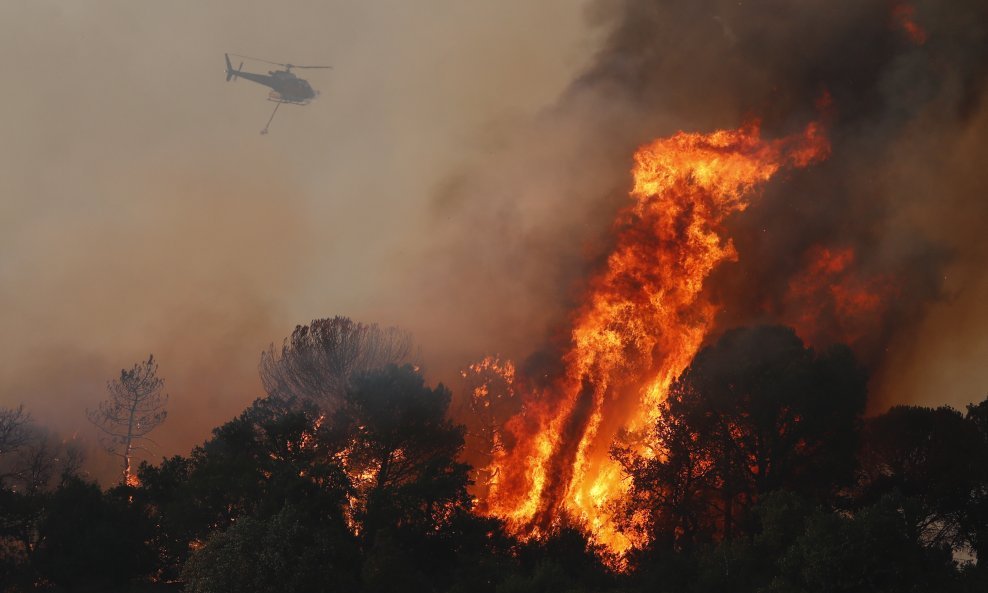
129 445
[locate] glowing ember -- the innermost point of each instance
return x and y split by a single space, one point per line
132 480
644 317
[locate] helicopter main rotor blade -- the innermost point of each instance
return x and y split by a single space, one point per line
289 66
265 61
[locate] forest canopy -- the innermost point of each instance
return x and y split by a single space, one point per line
770 479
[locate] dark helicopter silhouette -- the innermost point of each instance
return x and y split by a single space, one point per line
285 86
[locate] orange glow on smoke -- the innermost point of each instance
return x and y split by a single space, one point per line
834 301
904 17
644 317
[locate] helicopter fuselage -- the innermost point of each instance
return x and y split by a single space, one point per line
286 86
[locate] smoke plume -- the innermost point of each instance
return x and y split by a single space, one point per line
891 221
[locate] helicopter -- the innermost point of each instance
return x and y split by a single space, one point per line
285 86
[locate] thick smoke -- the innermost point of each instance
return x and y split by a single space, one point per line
902 192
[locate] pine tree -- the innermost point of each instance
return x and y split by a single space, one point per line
135 407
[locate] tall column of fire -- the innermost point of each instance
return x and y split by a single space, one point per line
644 317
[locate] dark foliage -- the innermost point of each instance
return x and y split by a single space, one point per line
254 466
409 491
754 413
564 561
290 552
935 457
400 451
770 483
92 541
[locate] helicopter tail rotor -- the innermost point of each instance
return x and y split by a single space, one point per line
231 74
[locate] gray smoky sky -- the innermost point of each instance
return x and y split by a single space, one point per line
457 176
141 211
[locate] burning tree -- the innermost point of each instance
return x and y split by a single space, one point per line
136 406
485 401
399 450
755 413
374 490
316 362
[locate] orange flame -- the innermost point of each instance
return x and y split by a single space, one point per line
491 397
644 318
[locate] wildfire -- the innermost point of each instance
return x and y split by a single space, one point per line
492 397
644 317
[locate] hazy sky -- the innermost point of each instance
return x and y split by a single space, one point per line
141 211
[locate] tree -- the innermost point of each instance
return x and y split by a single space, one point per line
565 559
974 522
317 361
877 548
400 451
15 435
136 406
408 493
45 461
264 459
90 540
255 465
938 458
379 478
754 413
287 552
30 460
485 401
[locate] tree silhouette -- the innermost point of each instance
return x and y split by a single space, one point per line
400 451
92 541
136 406
15 434
14 423
754 413
938 458
379 478
255 465
317 361
288 552
975 521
